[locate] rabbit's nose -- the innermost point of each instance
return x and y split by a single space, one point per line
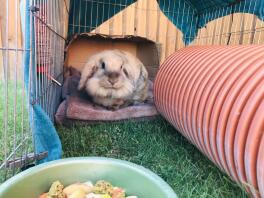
112 80
113 77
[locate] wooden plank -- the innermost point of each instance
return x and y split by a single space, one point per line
235 29
201 37
124 21
153 18
1 58
13 38
158 27
181 44
253 29
209 36
167 41
162 35
170 41
221 30
241 29
117 24
130 27
3 21
247 28
259 35
2 35
66 17
227 23
198 37
136 19
104 29
111 25
229 30
141 16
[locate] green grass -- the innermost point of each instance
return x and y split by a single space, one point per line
14 117
12 134
157 146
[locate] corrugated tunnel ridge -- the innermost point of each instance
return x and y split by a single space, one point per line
214 96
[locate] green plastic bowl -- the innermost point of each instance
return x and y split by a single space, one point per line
136 180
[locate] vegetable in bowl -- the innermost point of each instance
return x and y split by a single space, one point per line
101 189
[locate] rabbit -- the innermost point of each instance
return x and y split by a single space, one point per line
115 79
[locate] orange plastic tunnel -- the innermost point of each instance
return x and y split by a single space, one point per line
214 96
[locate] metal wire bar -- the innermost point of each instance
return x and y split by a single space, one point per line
31 87
47 55
6 62
36 54
15 84
37 47
51 68
47 26
47 37
66 7
13 153
43 47
23 134
91 20
253 23
13 49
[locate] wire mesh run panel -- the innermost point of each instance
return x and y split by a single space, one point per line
49 39
14 126
32 40
33 37
233 25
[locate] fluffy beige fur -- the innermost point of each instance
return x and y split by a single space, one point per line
114 78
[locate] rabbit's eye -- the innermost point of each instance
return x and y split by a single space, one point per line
121 66
103 65
126 73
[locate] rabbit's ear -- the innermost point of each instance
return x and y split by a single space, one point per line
88 71
144 72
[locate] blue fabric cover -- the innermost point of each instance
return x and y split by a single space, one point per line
45 137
